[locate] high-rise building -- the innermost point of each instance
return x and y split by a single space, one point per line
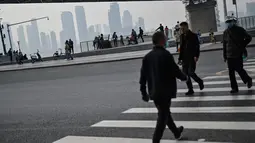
106 29
62 39
29 38
81 23
114 18
48 41
54 44
250 7
68 27
35 32
44 40
127 22
6 40
141 23
92 32
22 40
98 29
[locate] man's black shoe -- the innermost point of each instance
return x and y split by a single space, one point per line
178 136
233 91
190 92
249 83
201 85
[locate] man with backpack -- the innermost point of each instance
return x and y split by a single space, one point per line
235 40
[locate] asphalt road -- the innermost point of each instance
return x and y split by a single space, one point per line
44 105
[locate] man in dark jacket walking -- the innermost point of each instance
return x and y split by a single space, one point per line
189 54
159 71
235 40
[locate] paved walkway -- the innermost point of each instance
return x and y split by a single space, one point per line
100 58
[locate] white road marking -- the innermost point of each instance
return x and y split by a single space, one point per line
86 139
248 109
220 89
217 125
218 82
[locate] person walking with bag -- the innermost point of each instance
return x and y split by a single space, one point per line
159 72
235 40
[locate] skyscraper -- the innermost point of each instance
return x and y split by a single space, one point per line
6 40
22 40
81 23
127 22
35 32
106 29
62 39
98 29
54 44
114 18
43 40
141 23
48 41
68 27
29 38
92 32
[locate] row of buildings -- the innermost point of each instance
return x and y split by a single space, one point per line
44 41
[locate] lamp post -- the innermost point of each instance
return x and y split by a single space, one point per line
9 25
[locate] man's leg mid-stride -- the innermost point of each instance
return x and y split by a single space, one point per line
165 118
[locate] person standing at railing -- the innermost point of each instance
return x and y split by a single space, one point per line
122 40
134 36
71 46
115 39
68 50
160 28
140 35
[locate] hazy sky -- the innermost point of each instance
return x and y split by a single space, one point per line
154 12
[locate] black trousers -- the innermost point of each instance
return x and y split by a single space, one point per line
177 45
236 64
189 69
164 118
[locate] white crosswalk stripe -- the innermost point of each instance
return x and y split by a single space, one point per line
218 112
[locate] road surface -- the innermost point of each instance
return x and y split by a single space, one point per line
103 100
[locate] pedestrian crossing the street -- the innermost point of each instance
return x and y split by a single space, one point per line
210 116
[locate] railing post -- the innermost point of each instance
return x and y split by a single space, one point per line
81 46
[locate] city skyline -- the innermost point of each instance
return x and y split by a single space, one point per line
79 24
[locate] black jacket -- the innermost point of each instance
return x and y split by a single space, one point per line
189 46
159 71
235 40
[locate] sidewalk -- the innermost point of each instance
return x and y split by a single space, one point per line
102 58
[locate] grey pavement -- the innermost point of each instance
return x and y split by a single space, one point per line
102 58
61 104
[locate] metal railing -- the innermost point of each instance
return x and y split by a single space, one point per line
86 46
247 22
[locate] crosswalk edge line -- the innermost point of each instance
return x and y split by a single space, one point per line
92 139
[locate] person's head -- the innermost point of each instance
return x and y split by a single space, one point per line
184 27
159 39
133 30
66 42
160 24
140 28
230 22
166 27
178 22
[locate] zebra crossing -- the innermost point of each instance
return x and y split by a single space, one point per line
210 116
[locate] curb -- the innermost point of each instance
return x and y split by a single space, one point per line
114 60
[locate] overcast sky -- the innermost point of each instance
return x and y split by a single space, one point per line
154 12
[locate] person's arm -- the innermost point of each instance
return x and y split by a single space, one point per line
224 46
143 81
247 37
197 47
181 48
176 70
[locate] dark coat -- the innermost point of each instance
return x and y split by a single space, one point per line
235 40
159 71
189 47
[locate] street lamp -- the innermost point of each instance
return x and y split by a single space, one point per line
9 25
